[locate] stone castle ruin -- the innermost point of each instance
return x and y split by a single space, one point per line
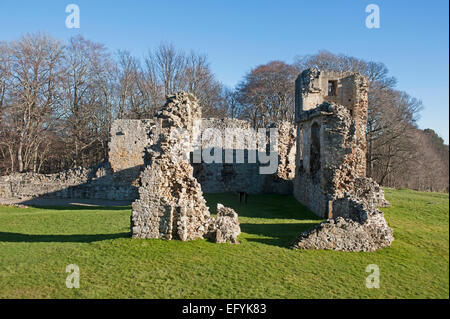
129 139
320 160
331 116
171 203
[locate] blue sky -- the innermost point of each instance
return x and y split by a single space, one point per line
413 39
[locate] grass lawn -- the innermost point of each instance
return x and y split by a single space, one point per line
36 245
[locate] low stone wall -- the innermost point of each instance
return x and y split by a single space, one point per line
88 183
130 137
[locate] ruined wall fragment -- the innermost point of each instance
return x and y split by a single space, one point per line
331 115
98 182
246 177
171 203
287 142
225 227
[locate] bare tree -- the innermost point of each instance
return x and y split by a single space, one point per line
5 72
267 93
32 97
169 70
199 80
231 103
86 86
166 65
139 94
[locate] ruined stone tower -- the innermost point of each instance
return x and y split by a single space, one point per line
331 116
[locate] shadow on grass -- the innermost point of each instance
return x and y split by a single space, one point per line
258 208
270 206
281 235
18 238
83 207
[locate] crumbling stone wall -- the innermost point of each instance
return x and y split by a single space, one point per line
340 131
239 177
331 163
171 203
128 141
287 142
97 182
120 175
130 137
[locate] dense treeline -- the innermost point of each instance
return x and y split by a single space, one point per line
58 100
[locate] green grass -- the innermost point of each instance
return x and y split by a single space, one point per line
36 245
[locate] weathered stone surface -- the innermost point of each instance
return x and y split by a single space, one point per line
330 157
369 190
237 177
331 114
171 203
97 182
359 227
119 178
129 138
347 235
287 136
225 227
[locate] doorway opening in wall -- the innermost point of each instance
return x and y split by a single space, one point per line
332 88
314 158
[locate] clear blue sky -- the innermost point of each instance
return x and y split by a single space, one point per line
413 40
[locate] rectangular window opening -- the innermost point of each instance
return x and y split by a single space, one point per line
332 88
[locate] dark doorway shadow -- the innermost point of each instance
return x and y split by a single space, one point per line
78 238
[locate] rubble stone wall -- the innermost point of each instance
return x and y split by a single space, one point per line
88 183
130 137
246 176
331 116
340 152
128 141
119 178
171 203
312 89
